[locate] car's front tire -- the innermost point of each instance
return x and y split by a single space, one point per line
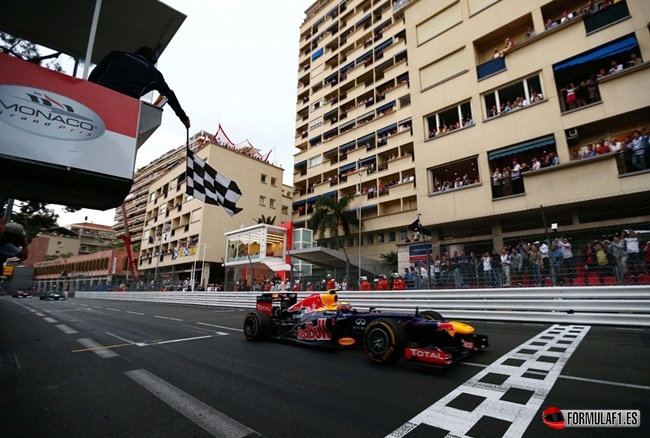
257 326
384 341
432 314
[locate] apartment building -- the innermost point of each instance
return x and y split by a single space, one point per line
184 238
136 202
413 106
93 237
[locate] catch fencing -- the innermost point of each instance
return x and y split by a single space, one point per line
617 306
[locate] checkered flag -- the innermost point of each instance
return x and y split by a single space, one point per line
207 185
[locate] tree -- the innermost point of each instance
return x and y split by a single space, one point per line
389 261
265 220
34 216
28 51
331 215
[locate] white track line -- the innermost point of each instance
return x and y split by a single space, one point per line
96 348
204 416
65 329
533 367
220 326
50 320
135 313
167 317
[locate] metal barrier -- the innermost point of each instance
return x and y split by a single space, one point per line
616 305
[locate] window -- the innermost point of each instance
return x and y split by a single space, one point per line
512 97
476 6
315 161
263 179
350 242
542 150
380 238
371 239
196 215
450 119
453 175
285 209
391 236
589 67
273 181
272 203
262 200
403 235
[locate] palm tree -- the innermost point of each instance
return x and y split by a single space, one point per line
265 220
331 215
389 261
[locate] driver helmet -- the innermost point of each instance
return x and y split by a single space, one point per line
309 283
364 278
329 275
345 307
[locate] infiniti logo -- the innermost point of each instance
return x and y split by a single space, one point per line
360 321
46 114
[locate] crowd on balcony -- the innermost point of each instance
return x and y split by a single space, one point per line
518 103
590 8
459 182
634 150
444 129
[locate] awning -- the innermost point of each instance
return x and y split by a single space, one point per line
368 159
606 51
330 152
332 25
386 106
315 139
313 198
332 193
331 132
384 44
365 139
331 77
362 20
401 52
387 128
368 207
347 146
317 53
364 56
302 163
368 114
348 167
334 112
347 67
521 147
276 264
350 123
298 203
401 77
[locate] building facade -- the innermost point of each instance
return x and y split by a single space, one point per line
93 237
416 106
183 238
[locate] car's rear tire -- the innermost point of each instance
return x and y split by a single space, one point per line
384 341
257 326
432 314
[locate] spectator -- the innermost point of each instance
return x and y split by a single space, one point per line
536 264
13 242
601 265
506 258
634 60
633 255
568 262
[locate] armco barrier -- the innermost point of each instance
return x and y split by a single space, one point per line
616 305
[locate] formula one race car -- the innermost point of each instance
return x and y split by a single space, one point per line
423 338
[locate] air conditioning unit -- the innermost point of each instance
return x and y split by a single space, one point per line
572 133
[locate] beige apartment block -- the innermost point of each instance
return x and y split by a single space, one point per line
183 238
411 106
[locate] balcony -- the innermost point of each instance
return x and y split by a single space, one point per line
491 67
607 17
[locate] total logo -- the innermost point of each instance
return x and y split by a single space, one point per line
425 355
46 114
314 333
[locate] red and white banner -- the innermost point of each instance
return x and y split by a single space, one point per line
49 117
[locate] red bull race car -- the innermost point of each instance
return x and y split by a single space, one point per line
422 338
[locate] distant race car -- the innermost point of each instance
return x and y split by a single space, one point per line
50 295
21 294
423 338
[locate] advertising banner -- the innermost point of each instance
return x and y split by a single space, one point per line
49 117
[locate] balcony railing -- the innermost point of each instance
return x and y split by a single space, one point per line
491 67
606 17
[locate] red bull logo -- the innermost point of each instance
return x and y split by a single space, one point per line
314 333
446 326
309 304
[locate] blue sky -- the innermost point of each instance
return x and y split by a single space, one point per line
234 63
